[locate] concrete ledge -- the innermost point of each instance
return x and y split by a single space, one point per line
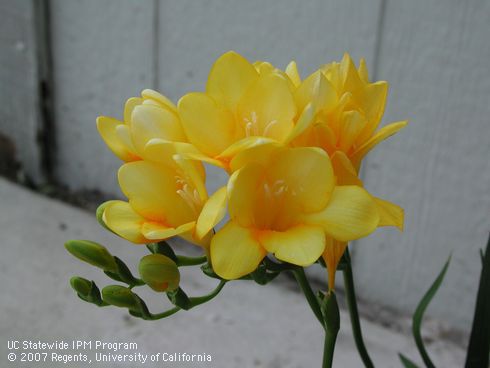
246 326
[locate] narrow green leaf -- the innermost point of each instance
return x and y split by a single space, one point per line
479 345
407 363
419 314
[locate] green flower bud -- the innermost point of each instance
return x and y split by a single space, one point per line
86 290
159 272
81 286
93 253
121 296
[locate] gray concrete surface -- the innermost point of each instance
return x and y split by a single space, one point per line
246 326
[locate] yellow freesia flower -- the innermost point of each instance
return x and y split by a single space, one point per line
243 106
164 200
151 116
288 206
348 110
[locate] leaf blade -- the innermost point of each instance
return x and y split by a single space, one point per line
407 363
479 344
419 314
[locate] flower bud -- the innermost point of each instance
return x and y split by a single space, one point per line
93 253
86 290
81 286
121 296
159 272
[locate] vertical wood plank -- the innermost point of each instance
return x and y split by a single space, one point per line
102 55
435 56
193 34
20 118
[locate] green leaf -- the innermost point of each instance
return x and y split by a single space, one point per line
407 363
419 314
479 345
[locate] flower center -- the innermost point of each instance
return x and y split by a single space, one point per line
277 190
188 194
252 127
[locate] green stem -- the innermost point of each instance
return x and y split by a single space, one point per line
299 275
206 298
167 313
331 312
191 261
329 347
350 294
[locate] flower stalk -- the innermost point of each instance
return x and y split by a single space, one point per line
350 295
300 276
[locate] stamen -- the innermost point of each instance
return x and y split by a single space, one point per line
188 194
251 126
268 127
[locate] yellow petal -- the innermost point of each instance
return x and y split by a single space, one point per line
267 108
334 250
243 145
350 78
293 74
154 122
318 90
242 193
192 238
107 128
155 231
375 100
344 170
230 76
373 105
161 99
363 71
261 153
212 213
380 135
120 217
263 67
129 106
352 124
305 120
162 151
301 245
124 135
350 214
208 127
194 174
307 174
235 252
390 214
152 192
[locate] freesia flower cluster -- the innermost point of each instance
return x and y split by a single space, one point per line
292 148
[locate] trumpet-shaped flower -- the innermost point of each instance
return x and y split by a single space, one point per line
348 110
151 116
288 205
244 105
163 201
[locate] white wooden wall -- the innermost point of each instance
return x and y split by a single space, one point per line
434 54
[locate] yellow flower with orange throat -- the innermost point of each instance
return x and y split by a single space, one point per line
292 149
